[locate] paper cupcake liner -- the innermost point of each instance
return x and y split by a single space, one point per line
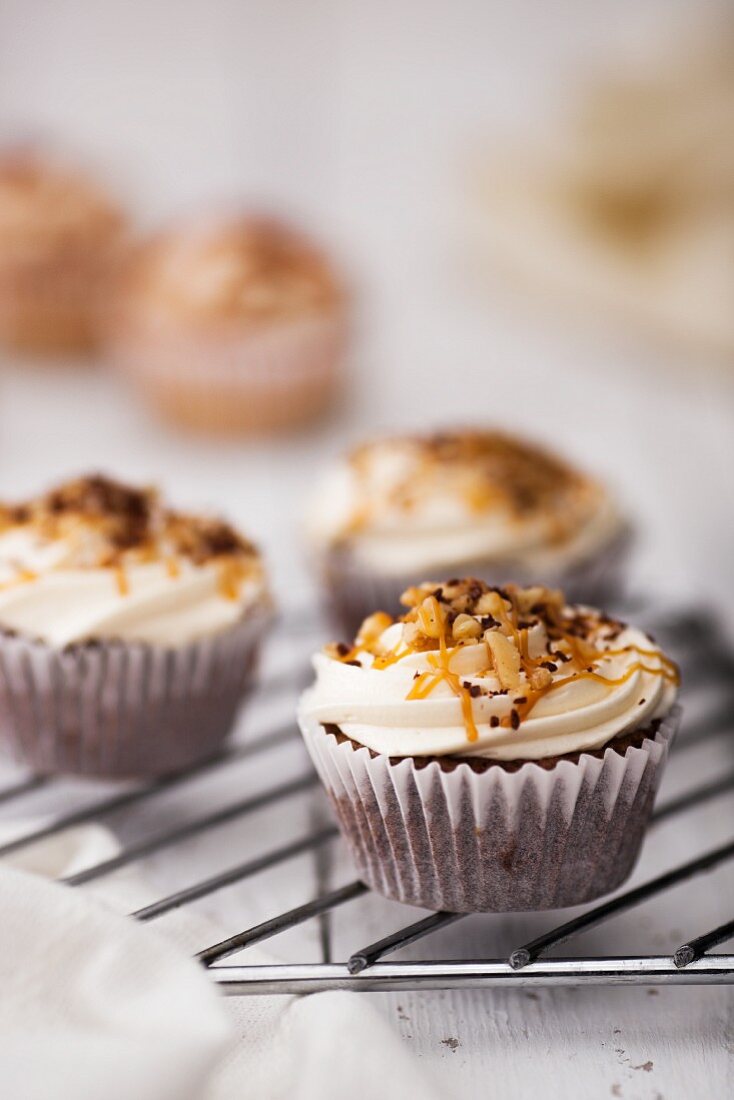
114 708
351 593
228 380
50 304
495 841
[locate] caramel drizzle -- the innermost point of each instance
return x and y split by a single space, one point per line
672 676
672 672
441 672
365 641
123 583
377 623
231 574
24 576
387 659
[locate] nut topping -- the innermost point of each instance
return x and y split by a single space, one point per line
108 524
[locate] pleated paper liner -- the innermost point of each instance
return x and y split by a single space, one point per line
228 380
122 709
50 303
498 840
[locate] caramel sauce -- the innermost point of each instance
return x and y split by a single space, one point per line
672 672
636 666
519 636
480 496
148 552
372 628
582 655
425 684
24 576
123 584
378 623
387 659
231 573
670 675
359 519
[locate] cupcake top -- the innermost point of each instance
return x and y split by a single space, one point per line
42 202
413 503
251 271
505 673
95 559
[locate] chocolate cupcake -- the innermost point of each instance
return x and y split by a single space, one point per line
128 631
60 238
467 502
494 749
231 327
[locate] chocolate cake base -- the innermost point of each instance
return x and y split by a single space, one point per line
122 709
481 764
468 836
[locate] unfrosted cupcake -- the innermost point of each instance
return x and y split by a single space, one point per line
60 237
128 631
475 502
494 749
237 326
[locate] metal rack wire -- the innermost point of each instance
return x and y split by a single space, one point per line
706 659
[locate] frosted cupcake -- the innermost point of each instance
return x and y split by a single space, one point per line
493 749
232 327
60 237
128 631
481 503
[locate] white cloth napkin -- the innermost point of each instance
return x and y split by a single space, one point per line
93 1004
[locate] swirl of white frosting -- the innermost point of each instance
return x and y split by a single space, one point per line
370 704
400 510
49 592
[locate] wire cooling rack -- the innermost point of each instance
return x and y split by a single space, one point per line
708 666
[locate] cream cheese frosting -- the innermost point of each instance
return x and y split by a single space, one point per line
97 560
505 674
415 504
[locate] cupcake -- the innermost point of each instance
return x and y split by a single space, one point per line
231 327
59 240
494 749
466 502
128 631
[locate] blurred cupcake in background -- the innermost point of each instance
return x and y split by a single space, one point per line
60 237
476 502
626 203
129 632
234 327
